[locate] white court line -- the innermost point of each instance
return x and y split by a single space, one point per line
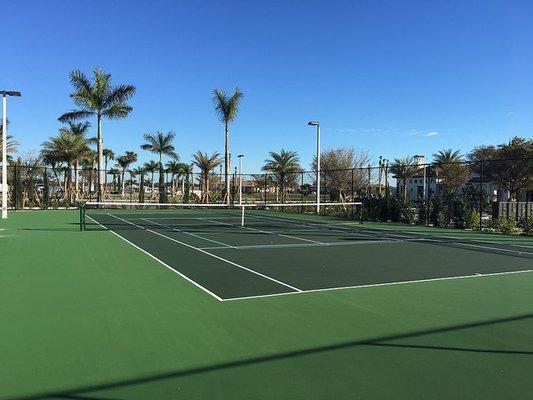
209 254
262 231
159 261
305 245
382 284
318 226
517 252
187 233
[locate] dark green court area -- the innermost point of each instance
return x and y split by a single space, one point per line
276 253
91 315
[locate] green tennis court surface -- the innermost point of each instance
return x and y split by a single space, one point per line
277 253
275 309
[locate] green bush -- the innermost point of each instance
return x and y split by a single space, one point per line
505 226
527 225
472 219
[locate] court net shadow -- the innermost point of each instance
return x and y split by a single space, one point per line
83 392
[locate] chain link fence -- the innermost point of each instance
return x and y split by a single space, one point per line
464 195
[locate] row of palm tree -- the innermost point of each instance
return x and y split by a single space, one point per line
100 99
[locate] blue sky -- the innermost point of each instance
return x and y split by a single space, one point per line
394 78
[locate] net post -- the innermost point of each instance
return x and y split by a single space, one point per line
242 215
82 216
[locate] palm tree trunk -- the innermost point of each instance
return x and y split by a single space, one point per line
69 183
105 174
152 195
123 182
162 189
226 164
100 195
405 190
76 179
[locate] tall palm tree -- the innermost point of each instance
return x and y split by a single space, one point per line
124 162
227 108
283 166
108 154
160 143
206 163
100 99
403 168
151 167
68 147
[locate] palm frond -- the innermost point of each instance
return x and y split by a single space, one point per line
117 111
75 115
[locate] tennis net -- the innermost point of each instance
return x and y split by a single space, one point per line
110 215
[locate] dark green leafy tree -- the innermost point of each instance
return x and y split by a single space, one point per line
98 98
509 165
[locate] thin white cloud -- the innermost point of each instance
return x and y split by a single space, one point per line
510 113
432 133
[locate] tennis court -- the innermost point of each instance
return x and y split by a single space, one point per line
280 252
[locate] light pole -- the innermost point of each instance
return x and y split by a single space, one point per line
4 94
240 156
317 124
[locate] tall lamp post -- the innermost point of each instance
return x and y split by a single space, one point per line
317 124
240 156
4 94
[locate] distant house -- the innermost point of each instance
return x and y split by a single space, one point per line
421 185
426 183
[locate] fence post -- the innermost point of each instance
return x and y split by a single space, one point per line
481 196
15 187
266 187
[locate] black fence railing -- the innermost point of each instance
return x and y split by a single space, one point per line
466 194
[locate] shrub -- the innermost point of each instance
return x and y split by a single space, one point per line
505 226
527 225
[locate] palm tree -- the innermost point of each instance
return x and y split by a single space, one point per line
79 129
403 168
114 172
124 162
102 100
140 171
11 144
283 166
451 170
68 147
87 162
227 109
151 167
176 169
160 143
206 163
108 154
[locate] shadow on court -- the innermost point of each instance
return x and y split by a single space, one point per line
79 393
